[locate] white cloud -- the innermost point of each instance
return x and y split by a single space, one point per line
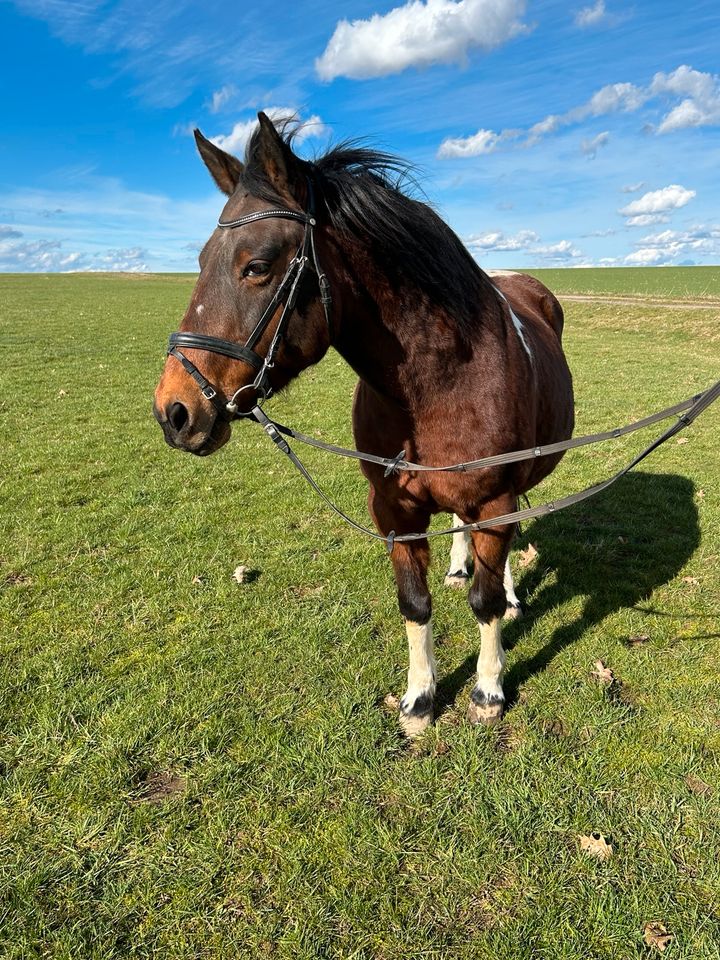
481 244
498 241
563 250
700 106
543 127
589 16
632 187
669 245
611 98
645 257
590 147
103 207
418 34
236 141
646 220
221 98
659 201
48 256
484 141
9 233
696 236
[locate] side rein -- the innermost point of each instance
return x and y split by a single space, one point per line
286 296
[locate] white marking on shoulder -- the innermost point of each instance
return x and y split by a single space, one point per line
199 308
516 322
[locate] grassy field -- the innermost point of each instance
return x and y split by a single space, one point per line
676 283
195 768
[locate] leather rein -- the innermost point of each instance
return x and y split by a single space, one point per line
286 296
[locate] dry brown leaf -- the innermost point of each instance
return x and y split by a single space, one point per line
692 581
240 574
656 935
527 556
595 845
62 393
196 580
698 786
681 440
602 674
700 494
637 640
391 703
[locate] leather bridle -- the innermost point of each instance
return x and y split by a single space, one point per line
286 296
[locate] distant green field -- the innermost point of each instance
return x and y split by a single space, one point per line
680 283
193 768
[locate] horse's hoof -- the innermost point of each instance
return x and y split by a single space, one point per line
513 611
413 724
457 581
415 719
484 709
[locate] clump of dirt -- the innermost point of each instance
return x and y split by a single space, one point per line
507 738
158 786
16 579
555 728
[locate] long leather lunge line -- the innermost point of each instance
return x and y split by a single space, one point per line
694 407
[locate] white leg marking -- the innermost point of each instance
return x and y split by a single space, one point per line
457 575
514 610
491 661
421 679
487 699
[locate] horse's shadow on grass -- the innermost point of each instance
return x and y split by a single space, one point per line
614 551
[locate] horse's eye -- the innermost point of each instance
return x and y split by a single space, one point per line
257 268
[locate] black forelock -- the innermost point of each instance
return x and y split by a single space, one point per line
364 193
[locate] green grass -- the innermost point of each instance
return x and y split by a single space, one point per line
677 283
304 827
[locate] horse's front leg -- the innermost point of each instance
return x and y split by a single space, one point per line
458 574
410 563
488 600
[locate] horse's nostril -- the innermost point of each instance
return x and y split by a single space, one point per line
178 416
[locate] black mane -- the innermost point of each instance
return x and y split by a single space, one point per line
362 191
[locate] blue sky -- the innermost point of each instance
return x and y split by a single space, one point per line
546 133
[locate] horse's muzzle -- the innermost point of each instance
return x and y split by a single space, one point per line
182 433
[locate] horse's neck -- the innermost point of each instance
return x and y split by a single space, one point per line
399 343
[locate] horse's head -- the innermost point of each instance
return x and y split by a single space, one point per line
257 299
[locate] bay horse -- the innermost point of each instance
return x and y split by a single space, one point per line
452 364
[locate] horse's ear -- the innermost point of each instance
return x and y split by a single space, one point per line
225 169
276 158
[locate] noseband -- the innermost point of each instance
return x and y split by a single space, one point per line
286 296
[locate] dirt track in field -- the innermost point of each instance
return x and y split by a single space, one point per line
642 301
